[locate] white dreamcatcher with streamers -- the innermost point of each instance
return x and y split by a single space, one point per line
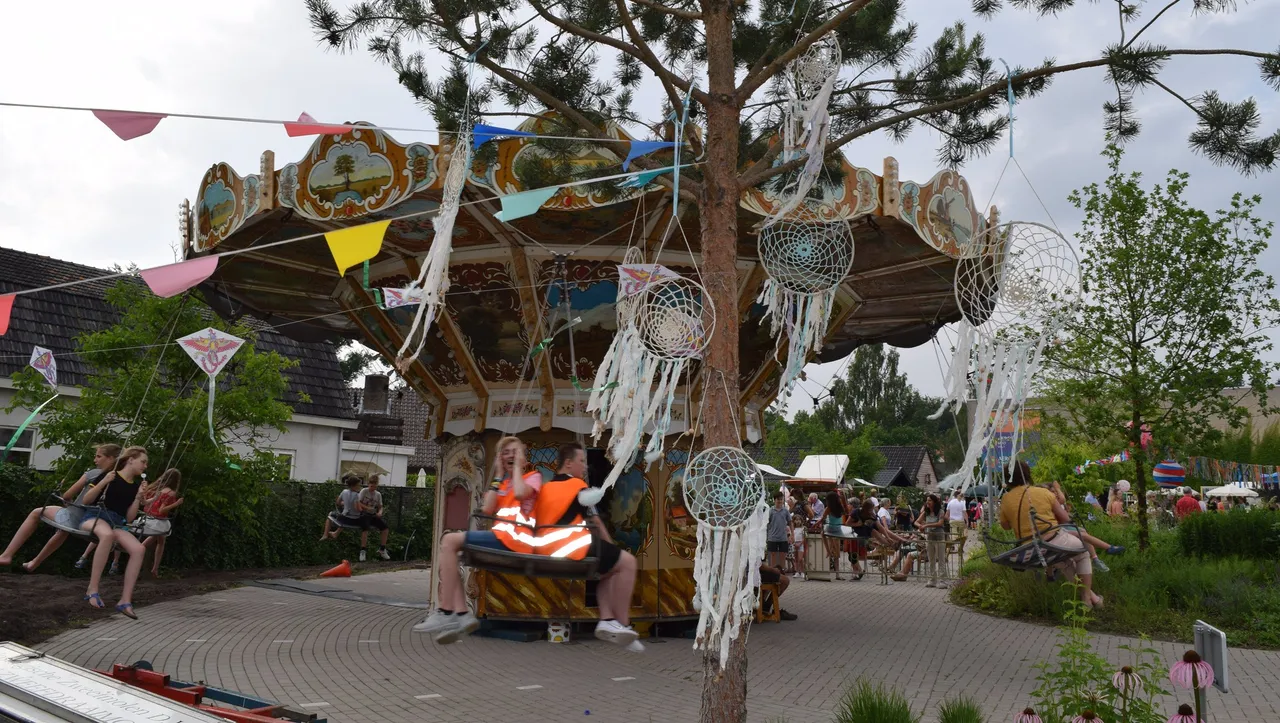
1016 285
724 490
806 120
664 321
807 257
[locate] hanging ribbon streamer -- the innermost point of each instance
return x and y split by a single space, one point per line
23 427
1008 74
377 293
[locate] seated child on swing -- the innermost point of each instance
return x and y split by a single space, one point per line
348 503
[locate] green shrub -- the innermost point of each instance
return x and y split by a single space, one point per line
1253 534
961 710
867 703
281 530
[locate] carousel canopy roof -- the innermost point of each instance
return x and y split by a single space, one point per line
506 277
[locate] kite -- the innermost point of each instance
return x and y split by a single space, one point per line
212 350
42 361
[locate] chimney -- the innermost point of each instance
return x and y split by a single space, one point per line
376 399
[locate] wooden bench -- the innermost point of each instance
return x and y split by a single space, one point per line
769 592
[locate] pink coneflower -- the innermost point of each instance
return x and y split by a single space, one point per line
1184 715
1027 716
1126 681
1087 716
1192 672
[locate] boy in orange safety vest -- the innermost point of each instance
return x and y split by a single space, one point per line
510 498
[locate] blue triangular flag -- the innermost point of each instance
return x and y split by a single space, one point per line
640 180
482 134
525 203
641 148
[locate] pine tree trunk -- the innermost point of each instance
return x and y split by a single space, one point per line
724 691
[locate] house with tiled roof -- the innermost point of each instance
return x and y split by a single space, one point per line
906 466
53 319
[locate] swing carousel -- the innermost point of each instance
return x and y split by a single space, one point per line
531 310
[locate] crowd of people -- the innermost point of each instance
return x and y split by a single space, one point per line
118 508
854 524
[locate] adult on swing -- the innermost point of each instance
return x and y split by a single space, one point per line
121 495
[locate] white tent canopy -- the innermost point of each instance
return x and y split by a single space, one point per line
824 467
1231 491
768 471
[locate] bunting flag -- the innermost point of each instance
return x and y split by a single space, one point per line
173 279
355 245
633 278
211 349
42 361
481 133
6 308
643 148
408 296
128 125
525 203
308 126
640 180
1121 456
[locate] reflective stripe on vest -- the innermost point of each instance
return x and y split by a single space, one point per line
513 535
555 499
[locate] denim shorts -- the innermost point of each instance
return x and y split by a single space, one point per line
107 516
485 539
69 516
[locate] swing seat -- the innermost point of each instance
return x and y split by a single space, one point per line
343 522
145 526
1028 553
60 526
529 565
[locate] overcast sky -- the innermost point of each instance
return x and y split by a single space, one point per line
72 190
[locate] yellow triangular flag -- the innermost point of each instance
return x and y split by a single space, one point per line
357 244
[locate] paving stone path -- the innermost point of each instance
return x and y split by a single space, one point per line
319 648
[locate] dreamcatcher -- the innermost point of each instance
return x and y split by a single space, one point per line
806 258
1016 285
724 490
810 79
664 321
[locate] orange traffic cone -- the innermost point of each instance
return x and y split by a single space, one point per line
343 570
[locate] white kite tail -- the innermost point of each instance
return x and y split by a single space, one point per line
804 319
817 124
723 571
434 277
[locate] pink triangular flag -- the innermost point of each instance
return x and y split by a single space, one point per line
128 124
6 306
307 126
166 281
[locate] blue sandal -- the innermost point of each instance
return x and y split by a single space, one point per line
126 609
95 601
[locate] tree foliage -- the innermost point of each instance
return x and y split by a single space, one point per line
1175 312
144 390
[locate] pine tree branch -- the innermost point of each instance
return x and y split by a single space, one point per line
686 14
653 62
754 80
759 172
1150 22
665 75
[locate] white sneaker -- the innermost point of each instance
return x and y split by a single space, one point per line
434 623
463 624
635 647
615 632
363 554
384 554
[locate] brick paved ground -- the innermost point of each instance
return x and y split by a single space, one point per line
355 662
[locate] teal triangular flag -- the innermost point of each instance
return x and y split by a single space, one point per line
640 180
525 203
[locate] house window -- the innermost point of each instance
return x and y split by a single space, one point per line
21 452
285 456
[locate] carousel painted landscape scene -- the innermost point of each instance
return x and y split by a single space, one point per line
647 360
